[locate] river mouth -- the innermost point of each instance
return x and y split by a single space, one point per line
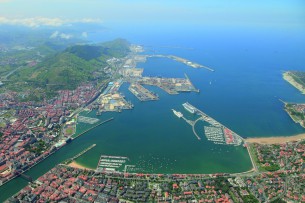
157 141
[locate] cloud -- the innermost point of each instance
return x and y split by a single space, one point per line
4 1
84 34
54 35
65 36
42 21
57 34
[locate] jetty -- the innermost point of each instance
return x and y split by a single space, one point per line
182 60
282 101
80 154
106 121
193 123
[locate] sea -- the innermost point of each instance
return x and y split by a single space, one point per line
243 94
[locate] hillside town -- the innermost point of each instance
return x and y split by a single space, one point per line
30 131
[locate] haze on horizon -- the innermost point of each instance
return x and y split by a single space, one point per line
34 13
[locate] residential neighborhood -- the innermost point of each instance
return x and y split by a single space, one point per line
30 131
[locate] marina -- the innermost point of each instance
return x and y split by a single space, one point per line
111 163
216 132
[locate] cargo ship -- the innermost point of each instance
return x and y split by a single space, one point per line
189 107
177 113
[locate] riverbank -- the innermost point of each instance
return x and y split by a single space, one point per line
275 140
291 80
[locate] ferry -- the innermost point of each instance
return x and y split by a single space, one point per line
189 107
177 113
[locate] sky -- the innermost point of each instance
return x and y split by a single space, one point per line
280 13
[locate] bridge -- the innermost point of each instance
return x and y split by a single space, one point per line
26 177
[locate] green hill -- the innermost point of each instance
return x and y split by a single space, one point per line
69 68
87 52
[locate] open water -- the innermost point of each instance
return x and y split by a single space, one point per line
243 94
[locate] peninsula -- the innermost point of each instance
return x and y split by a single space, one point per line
296 79
296 111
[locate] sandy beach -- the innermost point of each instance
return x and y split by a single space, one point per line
290 79
275 140
76 165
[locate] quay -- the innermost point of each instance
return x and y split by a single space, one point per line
142 93
110 119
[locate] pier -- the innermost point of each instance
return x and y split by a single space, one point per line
193 123
80 154
110 119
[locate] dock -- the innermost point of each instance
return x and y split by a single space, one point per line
110 119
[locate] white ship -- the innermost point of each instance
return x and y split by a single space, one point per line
189 107
177 113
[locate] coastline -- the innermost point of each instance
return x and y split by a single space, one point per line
74 164
290 80
275 140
